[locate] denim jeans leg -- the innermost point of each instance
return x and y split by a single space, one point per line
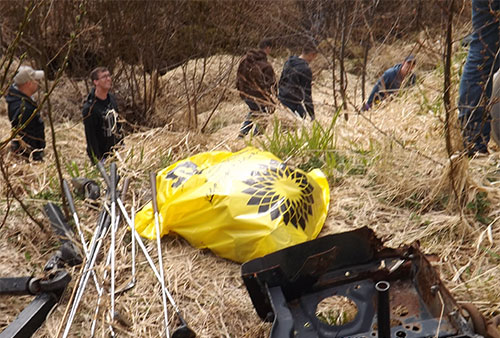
482 62
248 123
296 108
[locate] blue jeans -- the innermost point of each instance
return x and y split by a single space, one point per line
476 82
248 124
297 108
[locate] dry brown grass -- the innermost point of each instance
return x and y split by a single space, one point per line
404 195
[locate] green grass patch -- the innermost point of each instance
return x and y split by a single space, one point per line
480 206
313 147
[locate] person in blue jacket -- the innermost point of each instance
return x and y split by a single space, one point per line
477 77
295 82
391 81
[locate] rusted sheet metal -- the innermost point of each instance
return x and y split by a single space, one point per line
287 286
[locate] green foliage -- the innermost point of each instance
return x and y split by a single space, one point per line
427 105
458 58
216 124
137 158
314 147
88 171
335 317
479 206
165 158
310 146
72 169
135 153
494 256
50 193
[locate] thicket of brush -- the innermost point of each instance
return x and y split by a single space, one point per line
141 40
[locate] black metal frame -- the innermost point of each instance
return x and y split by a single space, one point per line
48 292
396 291
47 289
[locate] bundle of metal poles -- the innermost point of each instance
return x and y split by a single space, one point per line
108 222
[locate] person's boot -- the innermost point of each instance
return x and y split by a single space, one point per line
245 128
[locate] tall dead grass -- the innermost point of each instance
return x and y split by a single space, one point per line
404 194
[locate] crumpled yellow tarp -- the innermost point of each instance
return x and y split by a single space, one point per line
240 205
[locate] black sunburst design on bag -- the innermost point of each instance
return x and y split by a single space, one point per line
282 191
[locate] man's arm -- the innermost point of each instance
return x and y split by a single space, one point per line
269 76
270 84
24 111
378 91
374 92
306 85
119 131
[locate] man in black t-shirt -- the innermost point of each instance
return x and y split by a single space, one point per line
100 117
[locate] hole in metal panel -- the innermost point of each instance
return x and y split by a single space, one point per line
336 310
401 334
400 311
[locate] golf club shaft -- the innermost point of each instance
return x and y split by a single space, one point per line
95 247
108 259
83 284
152 177
71 203
113 235
147 255
133 244
69 198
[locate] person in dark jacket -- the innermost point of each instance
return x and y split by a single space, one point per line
391 81
100 117
295 83
255 81
24 116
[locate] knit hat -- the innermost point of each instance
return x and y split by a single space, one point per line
410 58
26 73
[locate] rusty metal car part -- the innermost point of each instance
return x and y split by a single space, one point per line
396 292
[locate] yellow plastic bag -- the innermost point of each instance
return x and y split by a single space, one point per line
240 205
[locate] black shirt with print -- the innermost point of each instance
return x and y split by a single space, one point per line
102 128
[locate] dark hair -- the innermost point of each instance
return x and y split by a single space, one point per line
264 43
94 74
309 47
410 59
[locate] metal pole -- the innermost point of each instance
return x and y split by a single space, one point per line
185 329
88 268
152 177
383 309
71 203
113 236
